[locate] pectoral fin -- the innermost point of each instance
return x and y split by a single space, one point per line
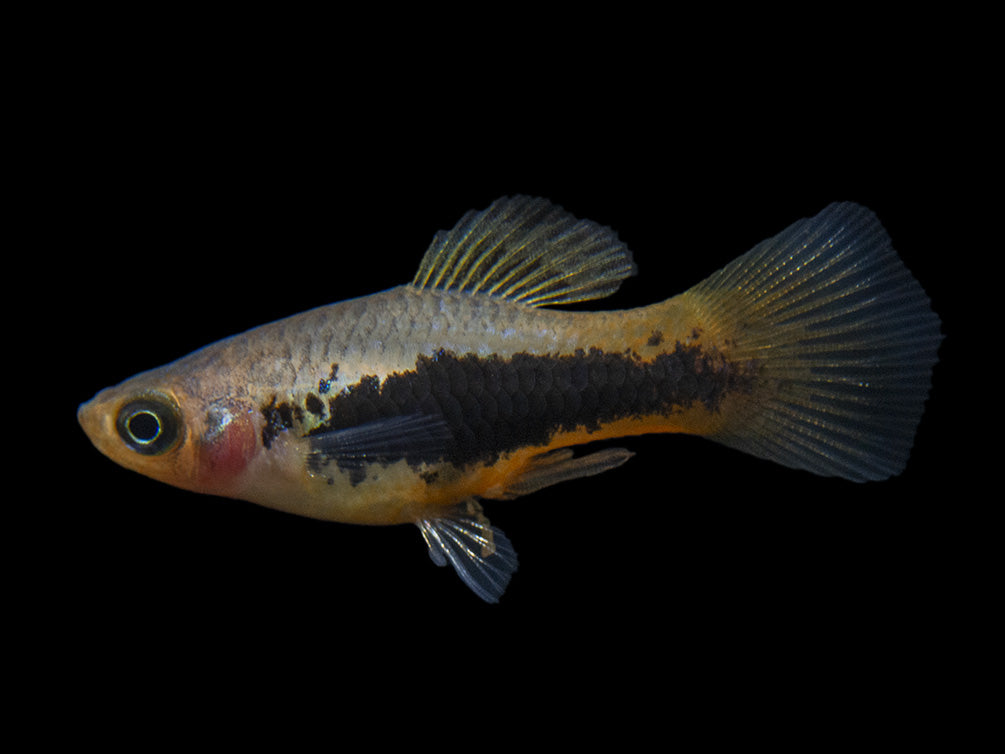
415 437
480 553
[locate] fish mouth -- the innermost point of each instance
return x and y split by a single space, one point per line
89 419
98 422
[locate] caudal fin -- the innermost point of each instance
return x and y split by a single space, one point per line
843 340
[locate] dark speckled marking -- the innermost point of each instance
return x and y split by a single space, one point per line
325 384
655 339
278 418
493 405
314 404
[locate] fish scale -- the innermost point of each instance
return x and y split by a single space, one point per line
535 397
459 327
813 350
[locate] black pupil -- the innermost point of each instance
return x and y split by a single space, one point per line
149 425
144 426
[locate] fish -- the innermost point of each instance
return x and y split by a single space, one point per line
477 381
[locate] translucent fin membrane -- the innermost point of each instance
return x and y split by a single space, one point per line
479 552
526 249
845 340
415 437
561 466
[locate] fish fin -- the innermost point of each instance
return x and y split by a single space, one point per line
528 250
843 339
414 437
560 465
480 553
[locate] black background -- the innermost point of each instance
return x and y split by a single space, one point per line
195 206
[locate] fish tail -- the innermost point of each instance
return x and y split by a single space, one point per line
840 341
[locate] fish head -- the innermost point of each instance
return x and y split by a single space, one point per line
163 429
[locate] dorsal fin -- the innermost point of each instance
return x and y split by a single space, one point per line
526 249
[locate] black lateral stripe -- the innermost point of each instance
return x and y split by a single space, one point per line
493 405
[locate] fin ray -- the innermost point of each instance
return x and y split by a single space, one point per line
414 437
560 466
528 250
479 552
845 338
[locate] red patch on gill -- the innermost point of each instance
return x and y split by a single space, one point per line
225 451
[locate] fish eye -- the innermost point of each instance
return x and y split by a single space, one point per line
149 425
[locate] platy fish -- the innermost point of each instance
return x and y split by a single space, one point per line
813 350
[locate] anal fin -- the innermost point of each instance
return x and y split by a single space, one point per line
561 465
480 553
